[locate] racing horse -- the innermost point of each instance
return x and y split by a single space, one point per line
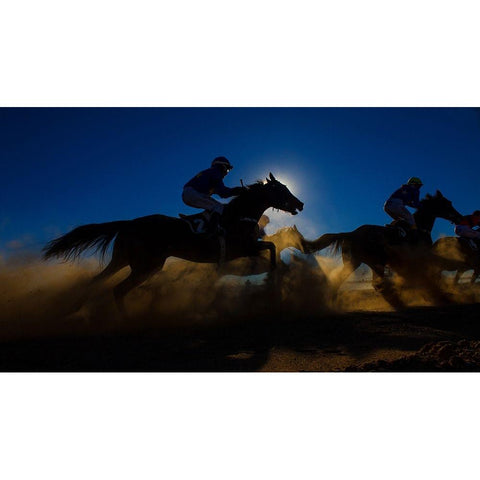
378 247
145 243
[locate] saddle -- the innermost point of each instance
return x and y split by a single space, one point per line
200 223
399 231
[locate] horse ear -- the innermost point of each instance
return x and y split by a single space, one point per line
272 177
295 228
268 181
439 194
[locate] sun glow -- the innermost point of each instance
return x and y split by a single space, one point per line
292 183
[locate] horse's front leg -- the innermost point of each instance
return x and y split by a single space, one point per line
475 275
261 245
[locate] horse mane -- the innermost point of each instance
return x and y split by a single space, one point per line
429 197
253 187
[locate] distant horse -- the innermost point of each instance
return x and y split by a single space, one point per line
456 254
285 237
378 246
145 243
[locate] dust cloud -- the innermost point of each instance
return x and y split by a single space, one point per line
40 298
51 298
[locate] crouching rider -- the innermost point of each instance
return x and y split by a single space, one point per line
407 195
197 192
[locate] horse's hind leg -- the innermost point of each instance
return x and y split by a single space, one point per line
113 267
350 264
117 262
475 275
385 287
136 278
85 292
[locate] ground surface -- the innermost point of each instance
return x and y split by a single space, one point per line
418 338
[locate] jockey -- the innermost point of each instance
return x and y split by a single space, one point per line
406 196
197 191
466 226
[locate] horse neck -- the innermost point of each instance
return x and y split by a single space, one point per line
424 219
250 205
285 238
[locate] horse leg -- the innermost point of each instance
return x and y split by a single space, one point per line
261 245
378 279
137 276
458 275
115 265
385 286
117 262
350 264
475 275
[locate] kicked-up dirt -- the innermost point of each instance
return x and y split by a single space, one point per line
49 325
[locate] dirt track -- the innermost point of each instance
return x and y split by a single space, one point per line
356 340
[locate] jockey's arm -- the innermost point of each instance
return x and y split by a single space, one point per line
226 192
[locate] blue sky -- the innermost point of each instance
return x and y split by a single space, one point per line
63 167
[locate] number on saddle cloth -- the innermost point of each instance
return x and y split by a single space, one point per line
202 223
199 224
196 222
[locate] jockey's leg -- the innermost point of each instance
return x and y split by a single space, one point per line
395 209
213 208
201 200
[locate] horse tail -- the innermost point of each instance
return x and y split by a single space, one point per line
95 235
334 240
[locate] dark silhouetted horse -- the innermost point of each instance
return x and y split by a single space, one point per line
378 247
145 243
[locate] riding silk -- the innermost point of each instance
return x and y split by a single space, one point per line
408 194
465 227
395 205
210 181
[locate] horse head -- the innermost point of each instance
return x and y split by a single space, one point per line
440 206
280 197
287 237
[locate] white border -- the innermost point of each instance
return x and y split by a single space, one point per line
249 53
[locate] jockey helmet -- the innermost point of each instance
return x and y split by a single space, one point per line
223 162
414 181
